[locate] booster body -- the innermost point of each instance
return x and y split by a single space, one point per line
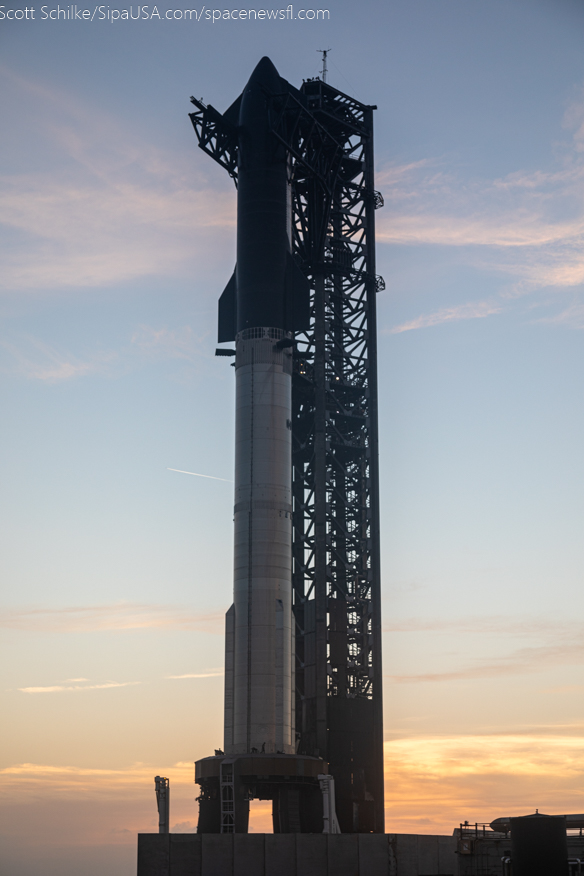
259 310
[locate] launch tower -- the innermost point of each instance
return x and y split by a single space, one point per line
303 691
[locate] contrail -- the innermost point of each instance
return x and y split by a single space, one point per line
197 475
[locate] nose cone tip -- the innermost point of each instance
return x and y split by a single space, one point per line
265 73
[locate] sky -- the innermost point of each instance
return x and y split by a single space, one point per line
118 237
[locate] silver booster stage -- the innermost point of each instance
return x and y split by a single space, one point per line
259 710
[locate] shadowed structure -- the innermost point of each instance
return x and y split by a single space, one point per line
303 637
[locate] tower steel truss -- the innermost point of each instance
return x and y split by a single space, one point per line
336 565
336 572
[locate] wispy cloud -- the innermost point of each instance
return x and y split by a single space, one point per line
99 806
62 688
35 360
557 644
527 228
504 625
473 310
519 229
165 343
112 208
215 673
77 780
119 616
429 205
525 661
572 316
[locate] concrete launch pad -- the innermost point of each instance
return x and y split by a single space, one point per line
298 854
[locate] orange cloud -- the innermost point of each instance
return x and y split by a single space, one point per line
61 688
46 779
434 783
55 809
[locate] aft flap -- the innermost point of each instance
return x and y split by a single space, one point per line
297 302
228 312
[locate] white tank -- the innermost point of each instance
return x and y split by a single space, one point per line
259 666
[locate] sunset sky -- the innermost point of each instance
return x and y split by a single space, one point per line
119 236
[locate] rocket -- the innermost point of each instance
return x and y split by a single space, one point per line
267 288
264 303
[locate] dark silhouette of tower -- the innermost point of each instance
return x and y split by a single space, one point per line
302 304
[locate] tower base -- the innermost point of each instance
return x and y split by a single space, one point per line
318 855
290 781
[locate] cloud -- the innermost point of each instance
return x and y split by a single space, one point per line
184 827
526 227
93 235
119 616
521 210
48 810
557 643
60 688
111 208
516 229
509 753
432 784
502 624
473 310
24 779
572 316
565 688
574 120
36 360
520 662
435 782
212 674
165 343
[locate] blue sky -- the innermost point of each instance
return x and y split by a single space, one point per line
118 239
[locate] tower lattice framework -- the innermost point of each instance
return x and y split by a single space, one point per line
336 572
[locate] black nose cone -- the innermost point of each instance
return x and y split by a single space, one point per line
266 75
